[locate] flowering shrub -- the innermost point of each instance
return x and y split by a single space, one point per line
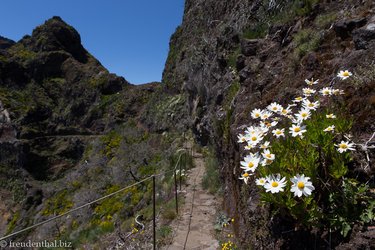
299 155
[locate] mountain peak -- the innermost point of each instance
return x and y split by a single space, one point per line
55 34
5 42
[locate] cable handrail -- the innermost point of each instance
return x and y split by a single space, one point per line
91 202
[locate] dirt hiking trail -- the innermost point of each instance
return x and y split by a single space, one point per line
194 228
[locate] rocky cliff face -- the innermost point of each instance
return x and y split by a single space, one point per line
233 56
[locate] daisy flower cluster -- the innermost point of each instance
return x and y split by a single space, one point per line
256 138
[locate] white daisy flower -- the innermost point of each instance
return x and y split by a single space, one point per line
298 99
245 177
274 107
261 181
241 138
308 91
267 155
311 82
338 92
266 162
275 184
249 147
344 146
278 132
286 111
254 139
301 185
344 74
268 125
251 130
303 114
326 91
266 115
329 128
297 130
256 113
330 116
265 145
310 105
250 163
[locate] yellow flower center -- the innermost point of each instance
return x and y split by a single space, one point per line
254 138
245 175
297 129
274 184
274 108
268 124
343 146
243 139
284 111
257 115
250 164
346 73
268 155
311 104
261 181
278 132
268 161
304 114
300 185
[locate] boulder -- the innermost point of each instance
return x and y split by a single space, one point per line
365 35
249 47
344 28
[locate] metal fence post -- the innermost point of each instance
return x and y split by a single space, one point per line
180 174
175 190
154 211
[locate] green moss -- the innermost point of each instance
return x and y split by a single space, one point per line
3 58
164 235
58 204
231 94
76 184
111 143
19 51
306 40
258 30
325 20
12 224
232 59
98 81
228 108
292 10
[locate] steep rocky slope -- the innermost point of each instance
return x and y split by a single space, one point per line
70 132
234 56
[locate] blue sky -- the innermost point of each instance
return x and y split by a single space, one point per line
129 37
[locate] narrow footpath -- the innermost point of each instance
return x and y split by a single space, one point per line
194 228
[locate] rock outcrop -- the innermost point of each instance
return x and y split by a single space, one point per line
233 56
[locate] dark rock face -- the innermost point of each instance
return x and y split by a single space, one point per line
364 36
344 28
233 56
5 43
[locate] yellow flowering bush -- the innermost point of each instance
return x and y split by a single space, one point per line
299 155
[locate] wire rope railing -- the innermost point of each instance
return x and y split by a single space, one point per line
177 166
